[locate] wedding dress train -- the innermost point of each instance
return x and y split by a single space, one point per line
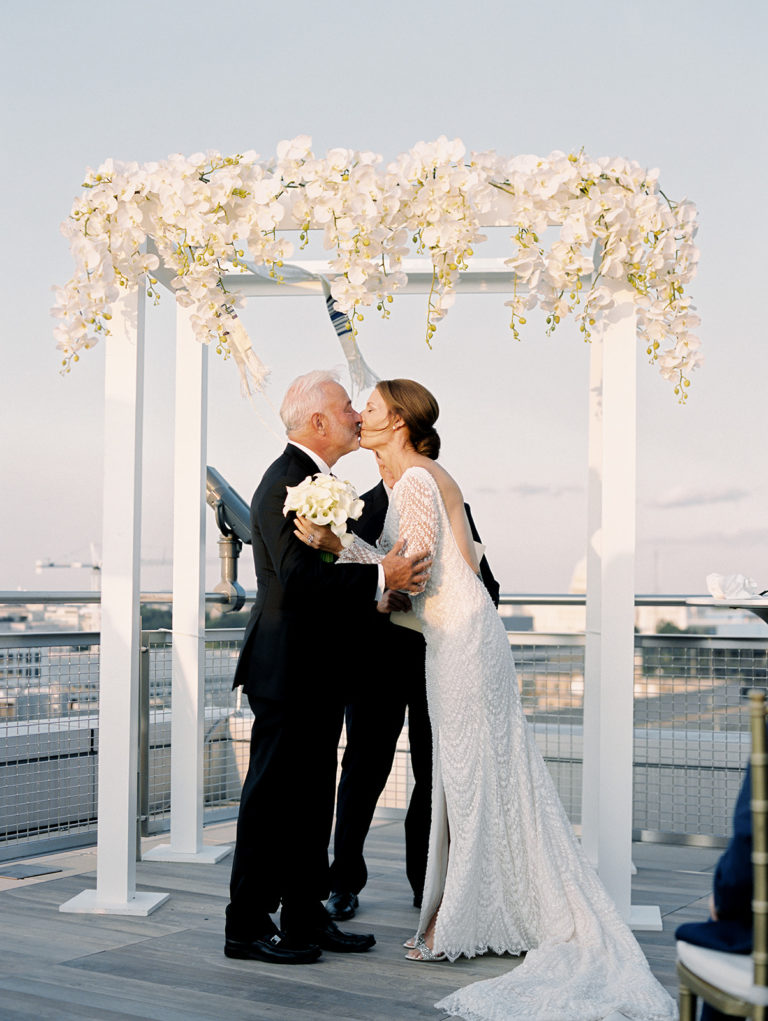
505 869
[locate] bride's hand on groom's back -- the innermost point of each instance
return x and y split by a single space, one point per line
392 602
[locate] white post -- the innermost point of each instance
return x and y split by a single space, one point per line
115 891
188 664
590 780
608 708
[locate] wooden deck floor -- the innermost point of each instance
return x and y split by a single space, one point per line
170 966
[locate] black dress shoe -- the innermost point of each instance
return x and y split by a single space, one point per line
328 936
274 948
342 905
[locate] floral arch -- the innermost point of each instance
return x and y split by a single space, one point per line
208 216
591 238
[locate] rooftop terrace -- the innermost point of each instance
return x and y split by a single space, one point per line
689 743
170 966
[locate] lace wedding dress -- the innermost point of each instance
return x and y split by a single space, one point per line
505 869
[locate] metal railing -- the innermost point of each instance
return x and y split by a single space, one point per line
690 734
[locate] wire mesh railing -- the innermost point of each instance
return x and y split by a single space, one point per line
49 689
690 731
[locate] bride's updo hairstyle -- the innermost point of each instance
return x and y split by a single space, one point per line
417 408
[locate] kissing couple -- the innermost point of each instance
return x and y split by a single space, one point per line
505 872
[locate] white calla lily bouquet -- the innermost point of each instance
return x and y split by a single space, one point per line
326 500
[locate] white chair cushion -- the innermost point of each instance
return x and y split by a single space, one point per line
730 972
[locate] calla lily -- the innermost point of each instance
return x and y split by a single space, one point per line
325 500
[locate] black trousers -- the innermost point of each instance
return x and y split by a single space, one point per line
390 683
286 811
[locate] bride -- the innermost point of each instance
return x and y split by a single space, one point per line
505 872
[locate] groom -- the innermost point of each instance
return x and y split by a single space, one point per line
293 669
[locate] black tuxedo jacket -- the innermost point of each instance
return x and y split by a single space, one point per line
303 604
371 522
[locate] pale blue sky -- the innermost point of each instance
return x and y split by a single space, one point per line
676 85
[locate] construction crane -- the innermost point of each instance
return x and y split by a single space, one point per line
94 567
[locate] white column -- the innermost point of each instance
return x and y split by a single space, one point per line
609 671
590 781
115 891
188 683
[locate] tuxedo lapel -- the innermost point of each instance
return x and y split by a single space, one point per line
299 597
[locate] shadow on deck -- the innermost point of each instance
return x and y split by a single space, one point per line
170 966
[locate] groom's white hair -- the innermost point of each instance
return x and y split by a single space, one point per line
304 397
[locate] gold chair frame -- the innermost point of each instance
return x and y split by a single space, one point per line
693 985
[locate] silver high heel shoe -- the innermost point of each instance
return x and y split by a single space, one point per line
427 955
